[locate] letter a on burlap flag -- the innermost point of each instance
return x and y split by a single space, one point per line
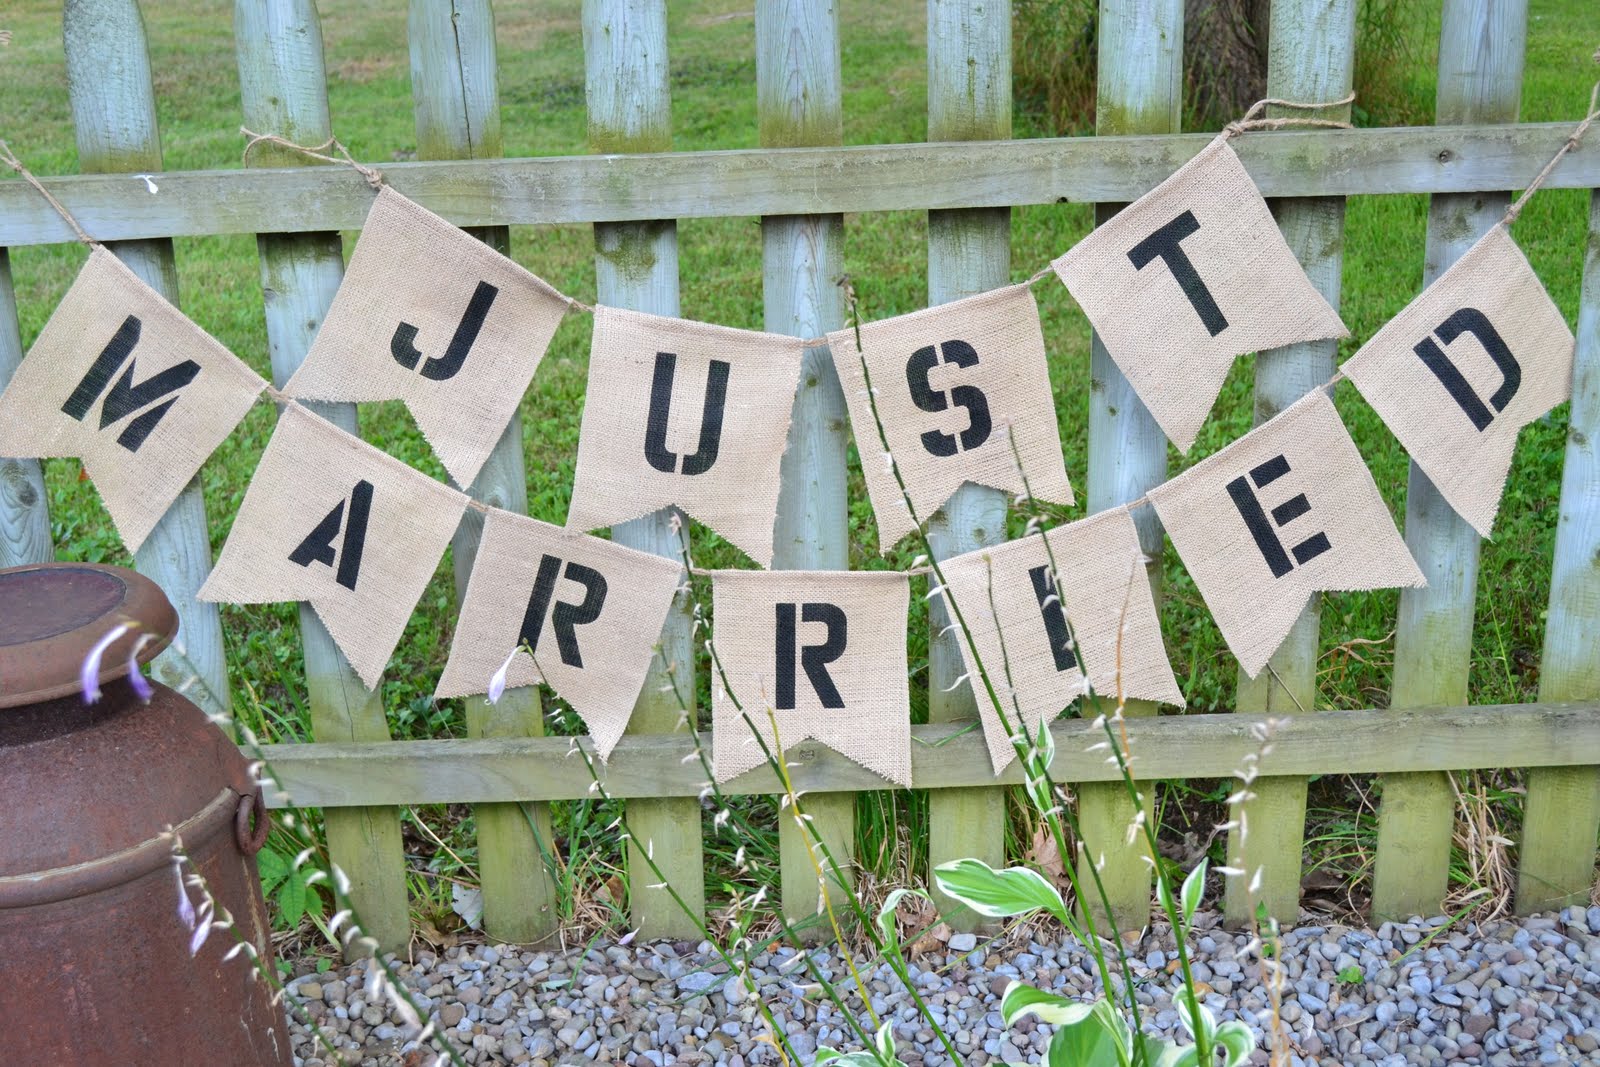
1189 276
822 652
955 385
121 379
431 315
684 413
331 520
1286 511
582 614
1457 374
1100 617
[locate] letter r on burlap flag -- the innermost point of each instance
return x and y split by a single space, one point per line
582 614
1189 276
121 379
1286 511
331 520
1480 354
822 652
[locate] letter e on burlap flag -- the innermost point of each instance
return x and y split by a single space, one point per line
121 379
1286 511
684 413
1480 354
954 384
590 611
1102 619
431 315
1189 276
331 520
824 652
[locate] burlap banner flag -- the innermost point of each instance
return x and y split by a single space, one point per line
1284 512
1103 620
431 315
1189 276
954 384
684 413
584 616
122 380
823 653
1457 374
331 520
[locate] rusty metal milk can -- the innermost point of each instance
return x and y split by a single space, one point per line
94 953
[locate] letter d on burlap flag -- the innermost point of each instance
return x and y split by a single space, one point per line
1286 511
823 653
1189 276
1457 374
331 520
584 616
121 379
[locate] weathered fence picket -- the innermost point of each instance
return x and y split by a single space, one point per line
24 507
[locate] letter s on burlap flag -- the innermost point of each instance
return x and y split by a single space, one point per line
1286 511
1104 619
685 413
591 611
433 316
1457 374
954 384
121 379
331 520
1189 276
826 652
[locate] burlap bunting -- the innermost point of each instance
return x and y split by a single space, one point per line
1189 276
432 316
122 379
826 651
954 384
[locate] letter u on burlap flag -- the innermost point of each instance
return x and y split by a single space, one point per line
822 652
121 379
582 614
1101 616
954 384
684 413
1186 278
431 315
1457 374
1286 511
331 520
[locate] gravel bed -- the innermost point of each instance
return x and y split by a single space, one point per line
1503 993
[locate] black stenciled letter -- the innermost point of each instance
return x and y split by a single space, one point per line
655 433
1166 244
1255 518
125 397
1475 322
566 617
813 658
957 354
318 545
403 346
1055 619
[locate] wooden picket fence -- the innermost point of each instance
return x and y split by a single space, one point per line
801 183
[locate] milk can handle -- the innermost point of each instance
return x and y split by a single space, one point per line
250 837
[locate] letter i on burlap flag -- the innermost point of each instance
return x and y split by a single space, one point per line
431 315
1480 354
331 520
121 379
955 385
1286 511
576 612
1186 278
823 653
1102 618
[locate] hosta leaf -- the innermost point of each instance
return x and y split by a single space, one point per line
1021 999
1097 1040
999 894
1194 1016
1236 1037
1194 887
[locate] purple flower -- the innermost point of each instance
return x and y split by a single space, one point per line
136 678
185 908
89 672
497 684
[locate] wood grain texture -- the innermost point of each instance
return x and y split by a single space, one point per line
24 507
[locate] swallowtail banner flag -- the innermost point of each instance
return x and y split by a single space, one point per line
331 520
433 316
823 653
576 612
1049 608
124 381
1188 277
1286 511
955 385
688 414
1480 354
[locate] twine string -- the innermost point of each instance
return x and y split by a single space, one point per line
373 175
1251 119
9 158
1568 145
